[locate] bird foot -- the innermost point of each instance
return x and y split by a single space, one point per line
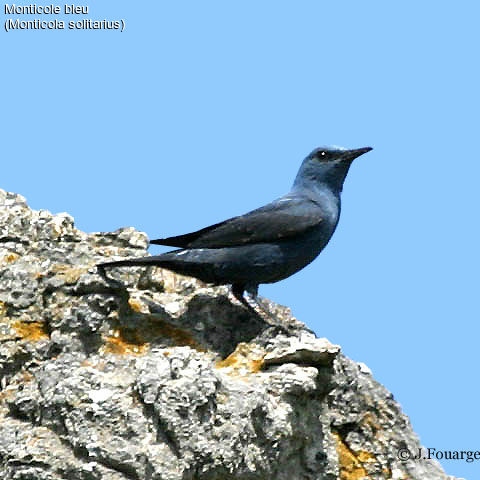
252 303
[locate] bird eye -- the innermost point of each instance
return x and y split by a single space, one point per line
321 155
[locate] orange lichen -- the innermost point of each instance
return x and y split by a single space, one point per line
136 305
9 258
364 457
30 331
136 340
3 309
119 344
245 359
351 464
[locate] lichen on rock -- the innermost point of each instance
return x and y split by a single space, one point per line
158 376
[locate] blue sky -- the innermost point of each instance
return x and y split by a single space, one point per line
200 111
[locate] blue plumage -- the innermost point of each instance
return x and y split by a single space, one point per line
267 244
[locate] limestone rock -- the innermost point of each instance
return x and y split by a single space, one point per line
158 376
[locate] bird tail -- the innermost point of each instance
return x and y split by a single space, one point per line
175 261
133 262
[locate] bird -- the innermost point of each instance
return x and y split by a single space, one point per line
269 243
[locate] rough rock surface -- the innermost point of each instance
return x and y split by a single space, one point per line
157 376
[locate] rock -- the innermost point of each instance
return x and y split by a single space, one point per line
157 376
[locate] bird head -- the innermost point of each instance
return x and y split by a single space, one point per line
327 166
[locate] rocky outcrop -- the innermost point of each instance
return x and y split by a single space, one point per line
157 376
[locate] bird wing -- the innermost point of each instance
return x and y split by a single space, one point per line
284 218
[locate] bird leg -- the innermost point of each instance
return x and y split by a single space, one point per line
252 290
237 291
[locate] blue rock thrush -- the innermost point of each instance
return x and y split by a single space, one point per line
267 244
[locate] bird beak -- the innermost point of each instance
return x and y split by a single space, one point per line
352 154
